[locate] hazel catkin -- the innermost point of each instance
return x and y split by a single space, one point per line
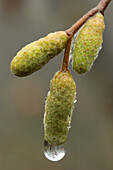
36 54
59 107
88 44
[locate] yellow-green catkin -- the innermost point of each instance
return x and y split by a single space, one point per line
36 54
59 107
88 44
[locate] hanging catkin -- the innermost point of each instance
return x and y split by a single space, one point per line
59 107
88 44
36 54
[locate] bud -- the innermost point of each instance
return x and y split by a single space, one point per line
35 55
88 44
59 107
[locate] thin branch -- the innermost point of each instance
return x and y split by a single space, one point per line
71 31
99 8
66 55
103 5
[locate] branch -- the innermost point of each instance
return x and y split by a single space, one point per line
71 31
99 8
66 55
103 5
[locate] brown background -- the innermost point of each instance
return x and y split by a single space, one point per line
90 141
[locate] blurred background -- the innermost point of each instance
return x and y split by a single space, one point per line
90 141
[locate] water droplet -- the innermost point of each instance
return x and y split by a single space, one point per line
98 51
72 47
54 153
100 47
69 126
75 101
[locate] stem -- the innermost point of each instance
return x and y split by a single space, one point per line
101 7
66 55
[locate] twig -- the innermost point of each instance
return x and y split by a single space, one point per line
71 31
103 5
66 55
99 8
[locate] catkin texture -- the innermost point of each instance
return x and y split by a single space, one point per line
88 44
36 54
59 107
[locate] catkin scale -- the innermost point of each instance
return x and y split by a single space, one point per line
59 107
36 54
88 44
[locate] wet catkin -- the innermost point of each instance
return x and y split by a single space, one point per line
59 107
36 54
88 44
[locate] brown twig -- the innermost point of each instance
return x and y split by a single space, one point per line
103 5
66 55
71 31
99 8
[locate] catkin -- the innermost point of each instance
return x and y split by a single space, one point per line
36 54
88 44
59 107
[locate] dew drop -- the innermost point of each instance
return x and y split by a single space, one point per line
75 101
98 51
72 47
54 153
69 126
100 47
